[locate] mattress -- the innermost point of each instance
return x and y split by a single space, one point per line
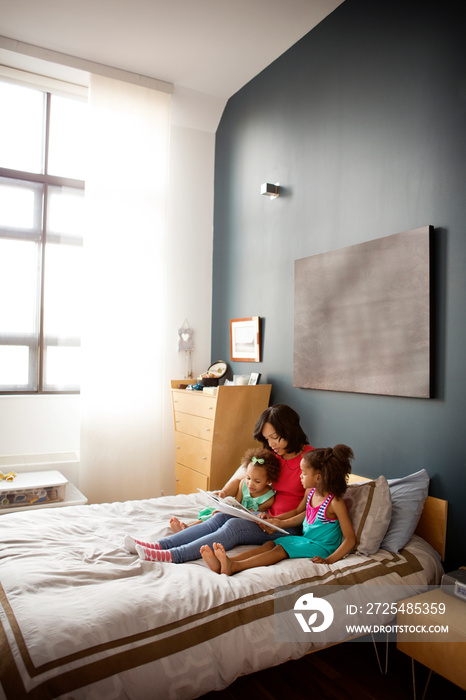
83 618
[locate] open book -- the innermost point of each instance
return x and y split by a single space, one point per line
231 506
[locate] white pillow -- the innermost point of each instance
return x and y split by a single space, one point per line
408 494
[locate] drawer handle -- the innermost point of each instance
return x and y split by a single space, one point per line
177 447
210 408
204 458
207 430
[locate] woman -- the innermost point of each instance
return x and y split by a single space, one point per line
279 430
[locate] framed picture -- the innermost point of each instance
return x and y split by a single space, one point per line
254 378
245 342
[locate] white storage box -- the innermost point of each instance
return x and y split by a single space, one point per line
33 489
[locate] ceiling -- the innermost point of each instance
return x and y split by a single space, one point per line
206 47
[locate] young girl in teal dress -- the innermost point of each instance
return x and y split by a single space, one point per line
254 493
255 489
327 531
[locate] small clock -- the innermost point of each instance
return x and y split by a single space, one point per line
219 368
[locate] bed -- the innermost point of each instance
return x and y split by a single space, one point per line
82 618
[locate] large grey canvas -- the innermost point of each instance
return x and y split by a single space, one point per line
362 317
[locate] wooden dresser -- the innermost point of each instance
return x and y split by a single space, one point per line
213 432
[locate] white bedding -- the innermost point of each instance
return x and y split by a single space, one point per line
83 619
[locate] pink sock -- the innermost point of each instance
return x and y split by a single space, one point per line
130 544
150 554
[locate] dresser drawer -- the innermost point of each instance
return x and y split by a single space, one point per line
194 403
194 425
212 432
193 452
188 480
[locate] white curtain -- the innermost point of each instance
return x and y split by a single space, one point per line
122 340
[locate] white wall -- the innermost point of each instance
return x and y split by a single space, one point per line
189 267
51 423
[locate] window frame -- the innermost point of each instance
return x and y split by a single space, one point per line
36 344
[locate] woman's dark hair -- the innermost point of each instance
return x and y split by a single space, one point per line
285 422
265 458
334 465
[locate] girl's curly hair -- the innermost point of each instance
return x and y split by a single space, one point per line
334 465
270 461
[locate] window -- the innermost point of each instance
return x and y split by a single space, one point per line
42 137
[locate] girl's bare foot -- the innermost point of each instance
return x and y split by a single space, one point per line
226 564
210 558
176 525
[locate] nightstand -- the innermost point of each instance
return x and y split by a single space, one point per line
447 658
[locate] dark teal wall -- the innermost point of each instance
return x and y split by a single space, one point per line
363 124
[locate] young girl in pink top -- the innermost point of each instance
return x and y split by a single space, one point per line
254 491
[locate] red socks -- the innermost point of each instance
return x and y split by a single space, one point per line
151 554
148 551
130 544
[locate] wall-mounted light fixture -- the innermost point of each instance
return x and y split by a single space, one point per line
270 190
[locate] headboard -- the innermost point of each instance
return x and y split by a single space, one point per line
432 525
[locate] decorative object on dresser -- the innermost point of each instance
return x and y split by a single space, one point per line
215 372
212 432
186 345
254 378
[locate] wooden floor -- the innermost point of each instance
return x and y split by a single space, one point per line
344 672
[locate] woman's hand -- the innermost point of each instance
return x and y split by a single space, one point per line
319 560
